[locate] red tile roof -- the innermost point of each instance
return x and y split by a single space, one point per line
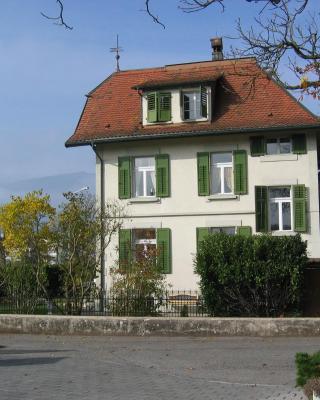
246 99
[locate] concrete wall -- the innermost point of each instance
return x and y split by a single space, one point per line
184 211
110 326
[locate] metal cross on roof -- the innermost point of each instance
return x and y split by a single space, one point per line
117 50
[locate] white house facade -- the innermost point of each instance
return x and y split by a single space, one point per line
190 151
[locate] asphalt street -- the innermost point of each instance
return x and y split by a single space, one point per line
137 368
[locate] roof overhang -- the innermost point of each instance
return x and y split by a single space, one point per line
185 134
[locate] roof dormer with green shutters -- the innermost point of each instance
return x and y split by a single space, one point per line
185 104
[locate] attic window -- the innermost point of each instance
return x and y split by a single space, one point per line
159 106
194 104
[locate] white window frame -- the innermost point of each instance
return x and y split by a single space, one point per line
144 242
194 90
222 167
280 201
144 171
278 146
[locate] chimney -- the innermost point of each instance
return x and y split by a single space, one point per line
217 46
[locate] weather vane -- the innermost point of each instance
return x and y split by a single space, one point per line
117 50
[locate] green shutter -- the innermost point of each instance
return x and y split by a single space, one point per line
124 248
244 231
299 144
202 233
164 250
124 177
152 100
163 175
164 107
204 101
240 172
203 174
299 208
261 197
257 146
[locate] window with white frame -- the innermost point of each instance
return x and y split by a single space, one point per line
221 173
228 230
191 105
278 146
144 182
280 209
145 243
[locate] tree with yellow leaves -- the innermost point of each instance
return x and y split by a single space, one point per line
28 239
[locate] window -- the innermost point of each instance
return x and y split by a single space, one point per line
280 207
194 104
228 230
278 146
145 243
137 244
144 177
158 107
191 105
221 173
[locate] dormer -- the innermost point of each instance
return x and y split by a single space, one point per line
178 102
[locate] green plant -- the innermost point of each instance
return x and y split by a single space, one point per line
138 288
251 276
308 366
312 386
184 312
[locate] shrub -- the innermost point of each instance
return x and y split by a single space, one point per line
312 385
138 289
308 366
251 276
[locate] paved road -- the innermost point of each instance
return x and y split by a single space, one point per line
95 368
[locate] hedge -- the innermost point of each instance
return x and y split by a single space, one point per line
259 275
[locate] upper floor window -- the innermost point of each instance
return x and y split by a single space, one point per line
280 203
159 106
194 104
141 177
296 144
144 182
221 173
278 146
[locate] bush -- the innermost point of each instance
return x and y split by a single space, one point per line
312 385
251 276
308 366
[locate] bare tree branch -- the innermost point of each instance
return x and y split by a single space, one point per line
60 18
154 17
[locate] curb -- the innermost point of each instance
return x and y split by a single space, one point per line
158 326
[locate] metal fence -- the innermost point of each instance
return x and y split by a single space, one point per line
171 303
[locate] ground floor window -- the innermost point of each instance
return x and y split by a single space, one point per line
228 230
144 243
280 209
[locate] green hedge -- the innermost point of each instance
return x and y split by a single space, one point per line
308 366
251 276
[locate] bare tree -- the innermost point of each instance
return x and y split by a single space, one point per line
285 34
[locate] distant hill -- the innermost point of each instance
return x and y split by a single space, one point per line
52 185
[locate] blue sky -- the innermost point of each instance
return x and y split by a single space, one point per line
46 70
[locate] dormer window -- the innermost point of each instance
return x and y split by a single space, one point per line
194 104
159 106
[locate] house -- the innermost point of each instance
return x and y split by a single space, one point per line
212 146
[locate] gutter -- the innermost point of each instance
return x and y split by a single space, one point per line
173 135
102 238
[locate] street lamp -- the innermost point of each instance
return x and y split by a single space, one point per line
81 190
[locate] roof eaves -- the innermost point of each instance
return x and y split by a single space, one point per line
172 135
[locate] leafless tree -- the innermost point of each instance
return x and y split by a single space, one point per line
285 34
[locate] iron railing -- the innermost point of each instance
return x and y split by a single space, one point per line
180 303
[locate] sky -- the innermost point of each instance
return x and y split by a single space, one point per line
46 70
